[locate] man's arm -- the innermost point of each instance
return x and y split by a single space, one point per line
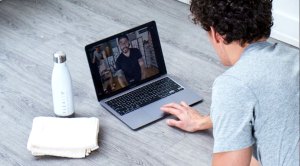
233 158
191 120
142 65
254 162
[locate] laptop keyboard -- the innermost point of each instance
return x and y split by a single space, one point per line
144 95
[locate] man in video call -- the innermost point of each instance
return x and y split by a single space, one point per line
255 103
130 64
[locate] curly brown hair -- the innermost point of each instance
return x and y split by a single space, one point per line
237 20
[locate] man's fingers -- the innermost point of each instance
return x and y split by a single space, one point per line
174 105
175 123
184 104
171 110
169 105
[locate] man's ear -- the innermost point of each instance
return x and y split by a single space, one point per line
216 37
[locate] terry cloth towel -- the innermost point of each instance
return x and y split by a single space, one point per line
63 137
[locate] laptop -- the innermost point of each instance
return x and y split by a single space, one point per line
130 76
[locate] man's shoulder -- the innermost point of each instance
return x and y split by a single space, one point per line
230 83
135 51
265 60
120 57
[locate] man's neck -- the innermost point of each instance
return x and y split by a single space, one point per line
235 50
127 54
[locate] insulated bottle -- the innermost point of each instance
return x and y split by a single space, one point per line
62 86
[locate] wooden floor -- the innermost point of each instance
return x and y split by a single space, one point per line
32 30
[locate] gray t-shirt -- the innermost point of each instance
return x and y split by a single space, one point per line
256 103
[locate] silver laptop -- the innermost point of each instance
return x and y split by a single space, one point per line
130 76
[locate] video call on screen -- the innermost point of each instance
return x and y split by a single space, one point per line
125 60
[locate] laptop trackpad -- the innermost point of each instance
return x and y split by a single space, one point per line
146 114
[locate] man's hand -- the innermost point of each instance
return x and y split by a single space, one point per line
189 119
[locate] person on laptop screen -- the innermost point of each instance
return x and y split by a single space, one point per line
255 103
130 64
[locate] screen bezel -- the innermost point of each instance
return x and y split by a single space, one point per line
158 54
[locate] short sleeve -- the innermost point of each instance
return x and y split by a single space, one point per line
232 114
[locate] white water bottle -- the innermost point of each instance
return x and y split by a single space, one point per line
62 87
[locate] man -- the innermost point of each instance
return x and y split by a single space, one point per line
129 63
255 103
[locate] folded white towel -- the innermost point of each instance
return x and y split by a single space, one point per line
64 137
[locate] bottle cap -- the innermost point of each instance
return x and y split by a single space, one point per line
59 57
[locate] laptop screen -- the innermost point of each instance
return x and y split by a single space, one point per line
125 60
